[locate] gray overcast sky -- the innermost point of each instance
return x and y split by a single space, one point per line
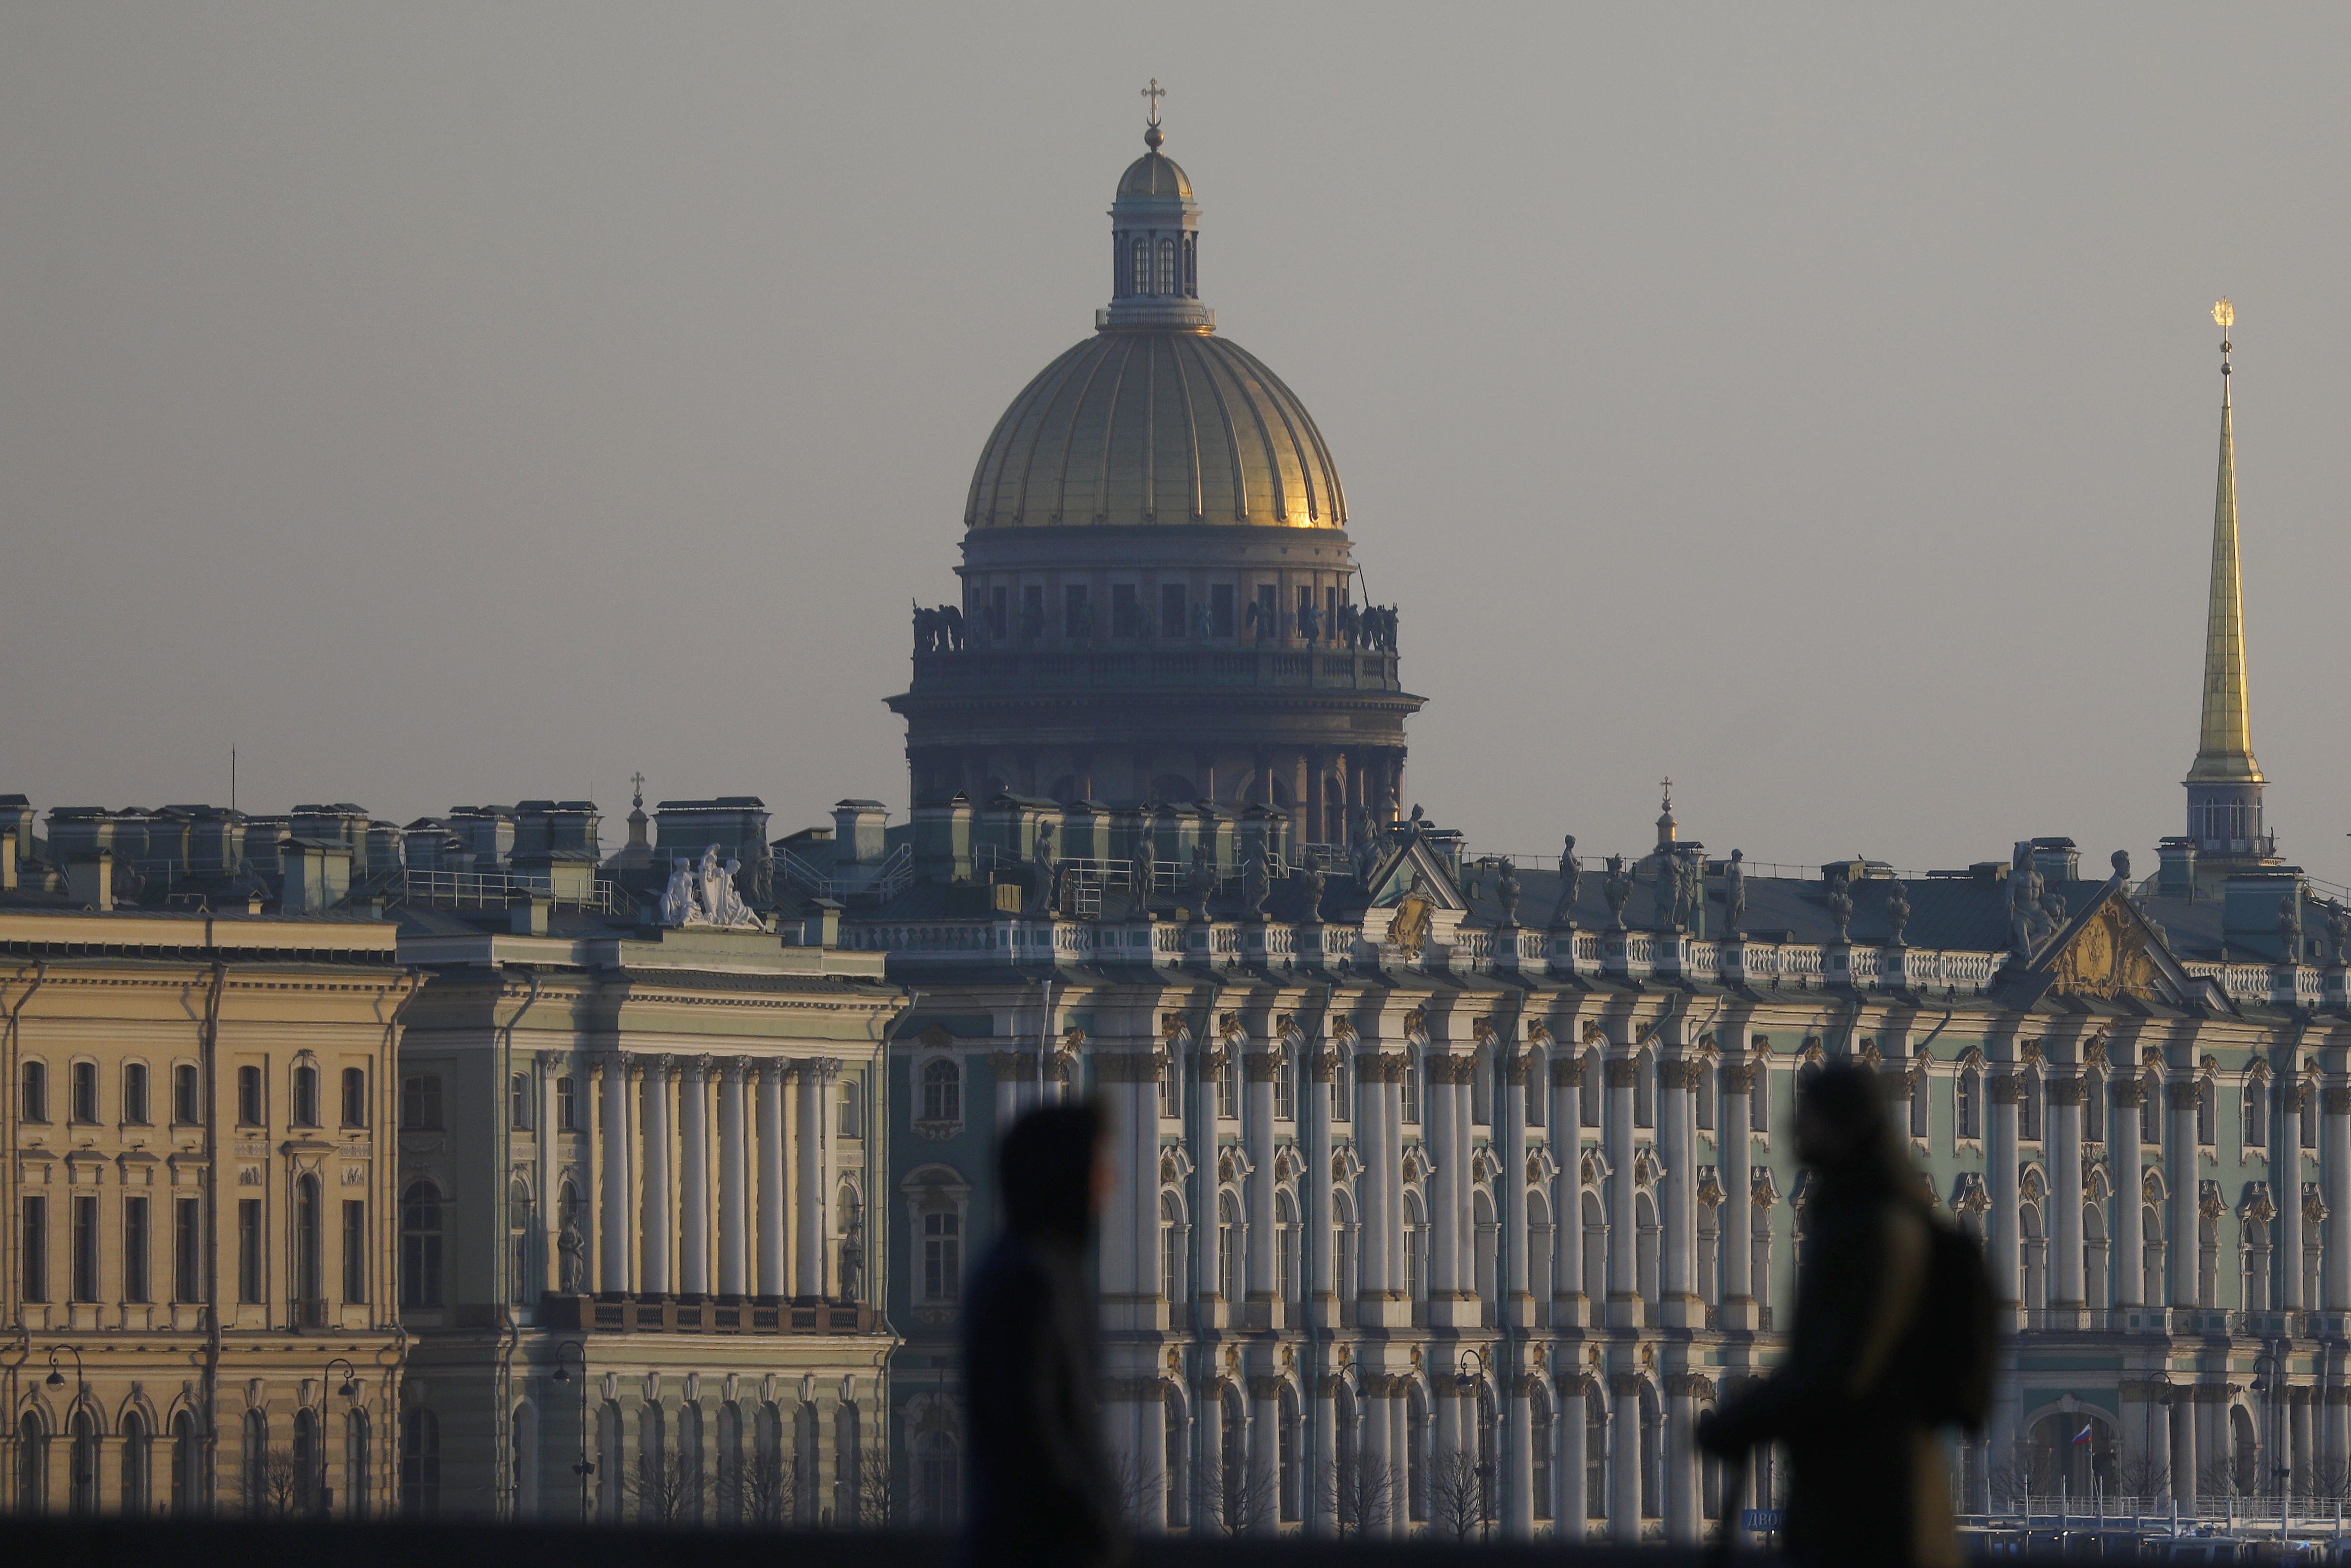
452 403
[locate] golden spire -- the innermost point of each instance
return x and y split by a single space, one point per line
2224 748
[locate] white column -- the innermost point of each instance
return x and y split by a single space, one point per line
2335 1175
1391 1175
2183 1243
694 1176
1403 1442
1372 1192
1448 1184
1465 1212
1264 1450
1517 1305
612 1179
1257 1069
1735 1118
808 1283
1677 1147
2127 1226
1378 1457
1208 1474
1570 1512
1624 1276
1625 1456
1323 1483
660 1277
1006 1065
733 1234
2000 1155
1679 1462
1321 1281
2285 1168
1571 1292
775 1199
2066 1273
1518 1460
1206 1266
2184 1424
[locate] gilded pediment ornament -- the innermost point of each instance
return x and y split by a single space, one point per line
2109 955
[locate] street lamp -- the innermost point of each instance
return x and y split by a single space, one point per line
586 1467
349 1387
1468 1382
57 1379
85 1466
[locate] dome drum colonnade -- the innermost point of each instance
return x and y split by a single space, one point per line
1158 589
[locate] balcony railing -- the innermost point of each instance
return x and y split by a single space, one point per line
1315 668
645 1314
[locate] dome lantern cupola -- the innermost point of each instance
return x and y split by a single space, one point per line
1155 228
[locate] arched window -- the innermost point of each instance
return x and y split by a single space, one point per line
1344 1271
420 1247
567 1104
1287 1468
1541 1244
2094 1255
1595 1244
942 1091
2204 1099
2150 1116
1646 1234
187 1485
309 1463
2034 1258
689 1476
2208 1261
306 1095
1970 1104
254 1463
570 1240
1710 1252
848 1465
359 1464
138 1460
81 1476
938 1478
2151 1255
1595 1455
1165 283
134 1093
419 1464
1416 1250
32 1465
2256 1232
2257 1117
1541 1436
521 1254
33 1094
1286 1247
1416 1454
2028 1107
1920 1085
1139 278
83 1106
187 1096
1171 1245
1171 1090
1232 1276
1409 1091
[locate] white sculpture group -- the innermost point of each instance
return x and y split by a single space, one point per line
706 895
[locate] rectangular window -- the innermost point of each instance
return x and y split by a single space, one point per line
134 1249
1171 622
35 1266
1229 1088
998 608
134 1094
1285 1090
1759 1104
85 1249
248 1097
852 1111
33 1101
187 1250
1032 612
248 1250
1269 611
84 1092
1220 608
1125 610
420 1103
518 1102
1077 612
942 1256
1537 1100
1171 1088
354 1250
567 1105
355 1113
2150 1112
187 1101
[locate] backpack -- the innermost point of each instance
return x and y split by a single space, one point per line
1952 1339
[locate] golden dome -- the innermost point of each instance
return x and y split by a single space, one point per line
1163 427
1154 174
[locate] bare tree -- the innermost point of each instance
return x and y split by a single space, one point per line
1141 1499
2025 1470
759 1491
1239 1499
279 1489
1359 1495
1460 1496
2217 1476
666 1488
2328 1480
2142 1475
877 1489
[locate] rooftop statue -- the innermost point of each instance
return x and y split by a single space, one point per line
1200 882
2289 928
1668 893
1897 911
1505 891
1734 895
1048 869
2338 931
1313 881
1840 908
1571 883
1257 880
706 895
1617 889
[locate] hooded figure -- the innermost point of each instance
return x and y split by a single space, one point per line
1867 1484
1039 1496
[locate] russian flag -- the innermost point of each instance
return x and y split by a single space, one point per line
2081 1437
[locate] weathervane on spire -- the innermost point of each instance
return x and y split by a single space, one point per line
1155 92
2226 315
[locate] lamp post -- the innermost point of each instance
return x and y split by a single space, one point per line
586 1467
84 1483
350 1391
1468 1380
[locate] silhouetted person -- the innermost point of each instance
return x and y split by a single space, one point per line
1858 1398
1039 1495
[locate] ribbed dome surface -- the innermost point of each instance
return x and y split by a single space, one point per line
1166 427
1154 174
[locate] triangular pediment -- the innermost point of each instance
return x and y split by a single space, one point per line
1412 864
2109 951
